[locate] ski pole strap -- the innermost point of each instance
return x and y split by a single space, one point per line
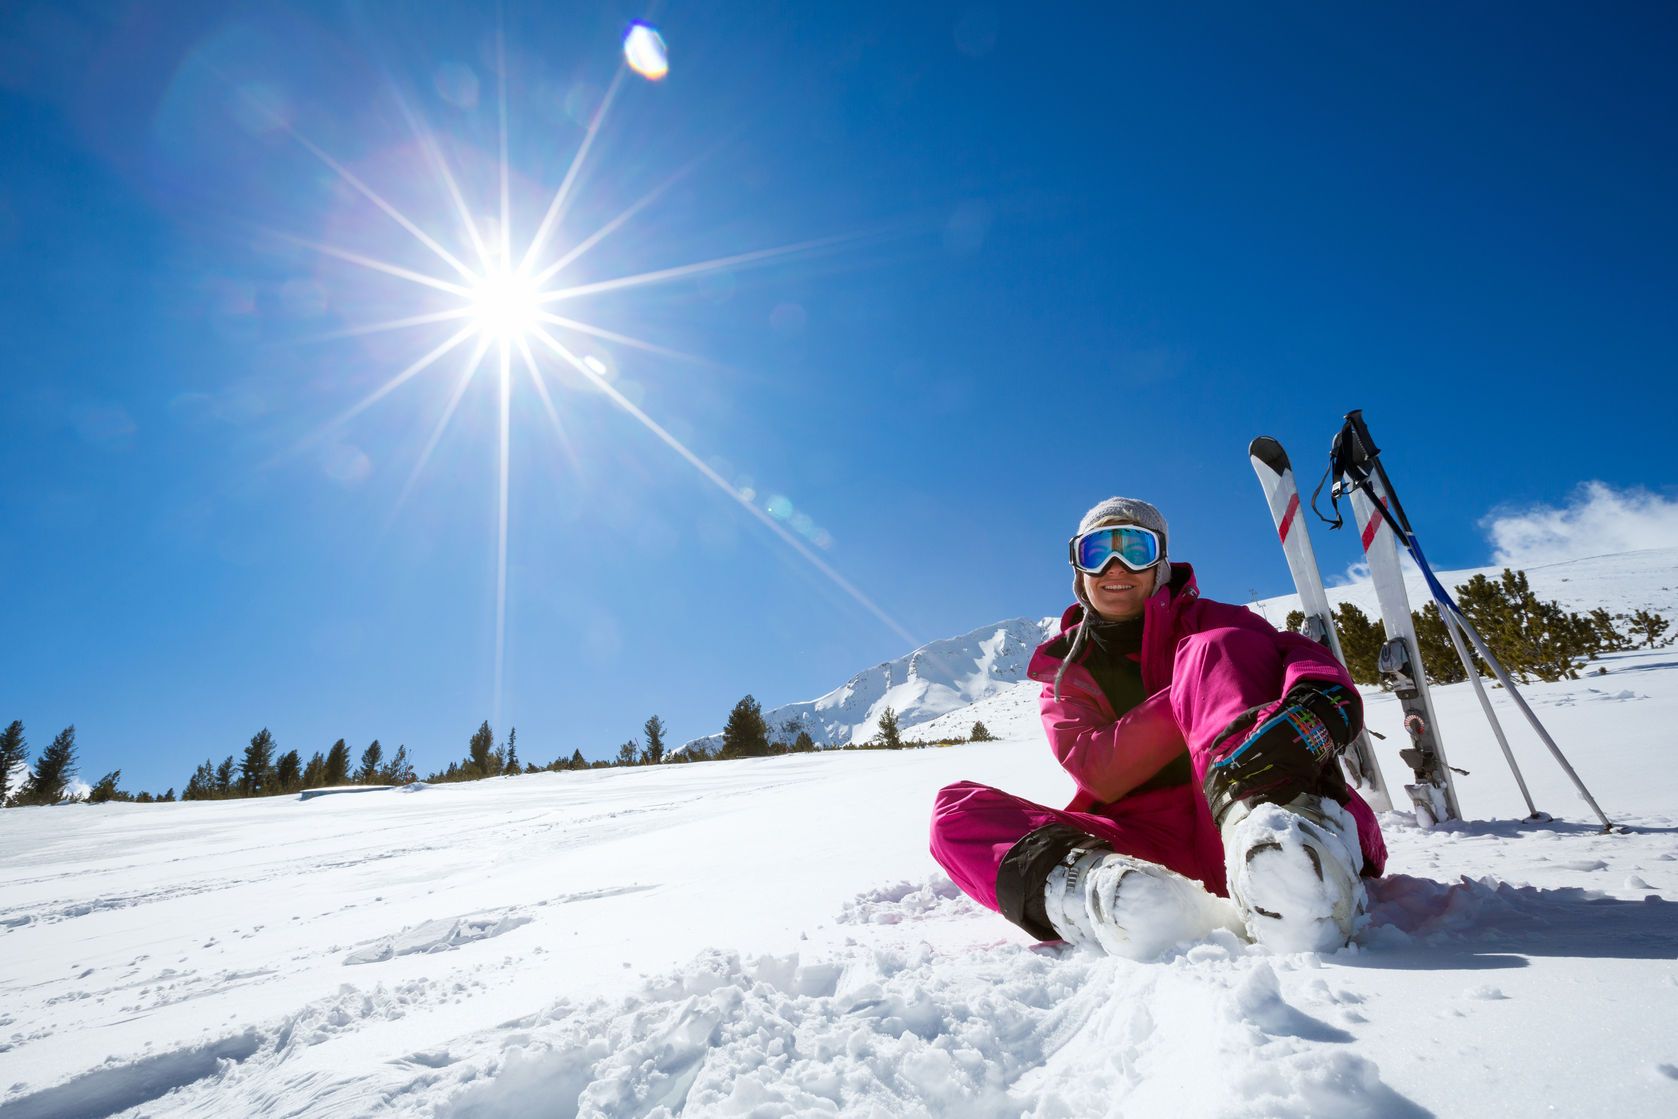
1339 519
1348 459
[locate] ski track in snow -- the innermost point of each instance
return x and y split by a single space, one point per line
769 938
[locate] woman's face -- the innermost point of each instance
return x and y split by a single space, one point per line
1118 592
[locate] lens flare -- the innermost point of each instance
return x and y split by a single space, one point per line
643 49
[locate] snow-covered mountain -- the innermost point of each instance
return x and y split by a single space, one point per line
935 679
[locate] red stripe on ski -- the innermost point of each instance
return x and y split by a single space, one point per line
1374 526
1287 517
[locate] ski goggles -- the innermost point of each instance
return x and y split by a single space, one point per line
1135 547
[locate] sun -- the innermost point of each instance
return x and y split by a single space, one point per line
505 305
506 302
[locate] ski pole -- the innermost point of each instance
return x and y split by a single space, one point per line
1486 705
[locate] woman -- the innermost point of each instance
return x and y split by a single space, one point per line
1203 744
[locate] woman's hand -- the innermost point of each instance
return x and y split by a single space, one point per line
1273 753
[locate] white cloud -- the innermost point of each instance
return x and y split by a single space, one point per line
1354 574
1596 520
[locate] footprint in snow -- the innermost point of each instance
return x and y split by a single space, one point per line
1489 994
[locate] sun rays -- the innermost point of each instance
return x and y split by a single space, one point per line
495 304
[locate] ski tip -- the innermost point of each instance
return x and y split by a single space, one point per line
1268 451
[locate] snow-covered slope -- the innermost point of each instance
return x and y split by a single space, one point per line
770 937
936 678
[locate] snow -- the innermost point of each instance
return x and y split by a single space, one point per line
1296 876
770 937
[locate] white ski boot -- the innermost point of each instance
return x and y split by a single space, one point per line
1295 873
1129 907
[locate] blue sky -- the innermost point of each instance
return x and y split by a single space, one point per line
1068 256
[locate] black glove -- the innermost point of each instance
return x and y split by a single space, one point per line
1273 753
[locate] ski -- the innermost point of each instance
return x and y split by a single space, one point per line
1275 475
1434 794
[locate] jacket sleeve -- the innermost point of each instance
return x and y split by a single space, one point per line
1302 658
1109 759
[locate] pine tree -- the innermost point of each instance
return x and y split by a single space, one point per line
53 770
1645 623
1606 636
1528 635
224 777
1433 642
1361 641
1295 622
577 761
803 744
745 735
337 768
628 752
168 796
288 772
400 771
105 789
980 733
314 774
202 784
512 765
653 728
479 750
258 760
889 736
14 751
368 773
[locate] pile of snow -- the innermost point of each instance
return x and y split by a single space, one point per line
943 676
